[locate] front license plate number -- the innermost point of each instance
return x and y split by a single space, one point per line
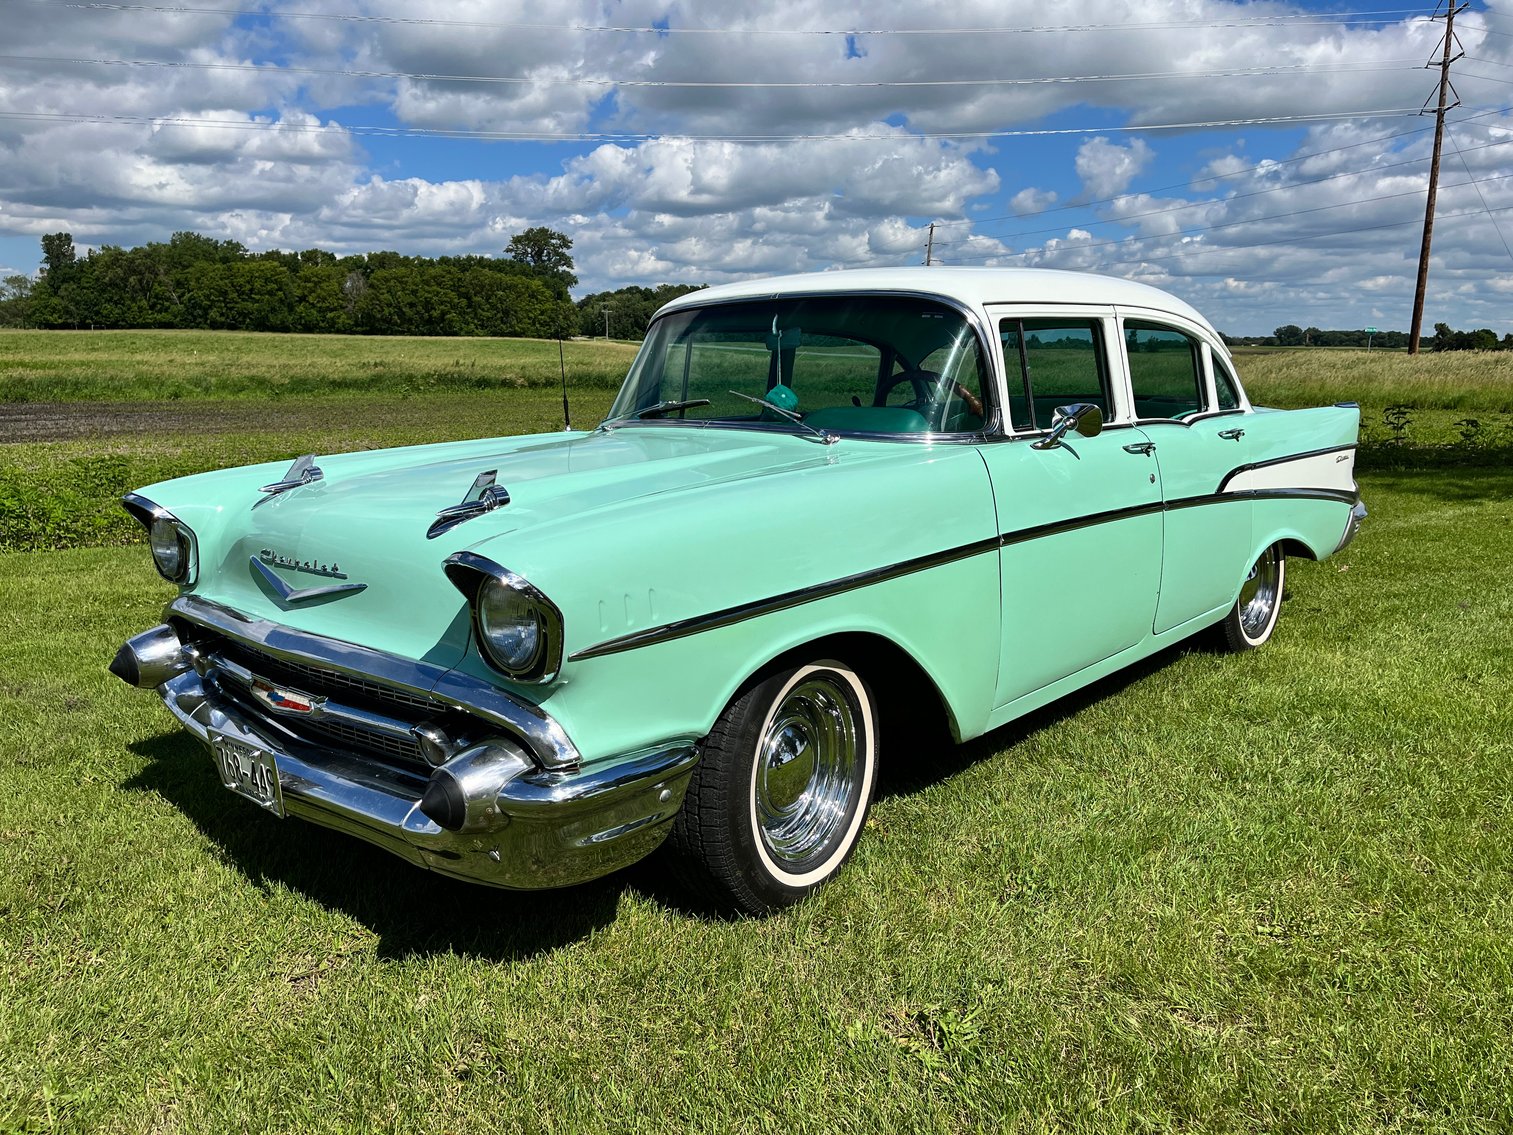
248 771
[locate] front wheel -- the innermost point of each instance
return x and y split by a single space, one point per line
1252 619
781 791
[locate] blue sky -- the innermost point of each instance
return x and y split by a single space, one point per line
257 123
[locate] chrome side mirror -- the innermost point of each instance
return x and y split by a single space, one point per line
1084 417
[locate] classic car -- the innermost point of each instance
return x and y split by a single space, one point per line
826 513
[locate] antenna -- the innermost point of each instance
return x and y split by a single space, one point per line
567 419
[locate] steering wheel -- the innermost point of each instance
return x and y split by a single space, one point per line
921 381
924 383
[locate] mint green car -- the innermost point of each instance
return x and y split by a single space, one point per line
828 517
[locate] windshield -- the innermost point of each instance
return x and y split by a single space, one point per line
842 364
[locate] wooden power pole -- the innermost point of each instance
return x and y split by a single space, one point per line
1445 60
930 246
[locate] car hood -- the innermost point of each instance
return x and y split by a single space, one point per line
366 520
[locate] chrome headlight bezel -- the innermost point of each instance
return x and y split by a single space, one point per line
159 522
487 584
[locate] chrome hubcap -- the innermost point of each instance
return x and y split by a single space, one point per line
806 783
1260 594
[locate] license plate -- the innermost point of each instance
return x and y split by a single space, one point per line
248 771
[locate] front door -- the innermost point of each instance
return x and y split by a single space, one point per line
1080 523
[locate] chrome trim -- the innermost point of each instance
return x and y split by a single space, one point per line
685 627
1353 525
322 707
467 571
484 496
287 594
144 512
304 471
682 628
535 829
151 658
1269 462
541 734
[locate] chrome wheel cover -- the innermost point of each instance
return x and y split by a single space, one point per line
1260 594
806 784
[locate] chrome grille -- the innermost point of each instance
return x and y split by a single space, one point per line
400 706
385 743
319 680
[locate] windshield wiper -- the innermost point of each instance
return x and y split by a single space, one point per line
656 410
792 415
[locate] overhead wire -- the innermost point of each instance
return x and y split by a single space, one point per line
1208 202
358 130
1369 15
548 80
1201 229
1467 166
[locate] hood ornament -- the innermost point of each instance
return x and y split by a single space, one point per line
302 472
484 496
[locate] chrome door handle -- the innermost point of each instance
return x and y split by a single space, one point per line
1140 447
1232 435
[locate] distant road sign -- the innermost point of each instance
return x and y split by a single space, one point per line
1371 331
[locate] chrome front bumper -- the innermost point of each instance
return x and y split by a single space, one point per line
513 822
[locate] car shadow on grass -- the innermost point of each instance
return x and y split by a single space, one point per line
903 773
413 911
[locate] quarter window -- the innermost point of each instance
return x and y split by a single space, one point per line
1059 361
1225 386
1166 376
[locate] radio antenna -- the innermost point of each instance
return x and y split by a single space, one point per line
567 419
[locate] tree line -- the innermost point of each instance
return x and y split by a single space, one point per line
195 281
1443 339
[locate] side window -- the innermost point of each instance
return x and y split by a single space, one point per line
1059 361
1226 387
1166 377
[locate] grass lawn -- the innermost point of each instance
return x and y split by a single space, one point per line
1272 891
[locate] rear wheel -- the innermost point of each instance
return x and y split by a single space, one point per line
1252 619
782 788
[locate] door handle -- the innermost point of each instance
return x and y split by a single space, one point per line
1232 435
1140 447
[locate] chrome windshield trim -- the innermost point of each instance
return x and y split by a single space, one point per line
546 739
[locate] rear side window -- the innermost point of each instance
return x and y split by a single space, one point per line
1166 374
1058 362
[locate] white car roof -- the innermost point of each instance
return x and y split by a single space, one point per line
975 287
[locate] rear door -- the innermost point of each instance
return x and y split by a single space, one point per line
1080 523
1198 432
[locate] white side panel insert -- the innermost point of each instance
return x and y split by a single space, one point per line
1319 471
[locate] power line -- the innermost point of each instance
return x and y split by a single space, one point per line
1364 16
1200 229
1227 200
525 80
1194 182
1467 166
633 136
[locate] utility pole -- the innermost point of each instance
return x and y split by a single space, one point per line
605 310
1445 88
930 246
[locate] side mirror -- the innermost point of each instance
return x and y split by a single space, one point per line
1084 417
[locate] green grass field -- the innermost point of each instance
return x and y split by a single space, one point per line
1262 892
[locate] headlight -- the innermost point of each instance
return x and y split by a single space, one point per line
169 550
174 551
519 629
511 625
